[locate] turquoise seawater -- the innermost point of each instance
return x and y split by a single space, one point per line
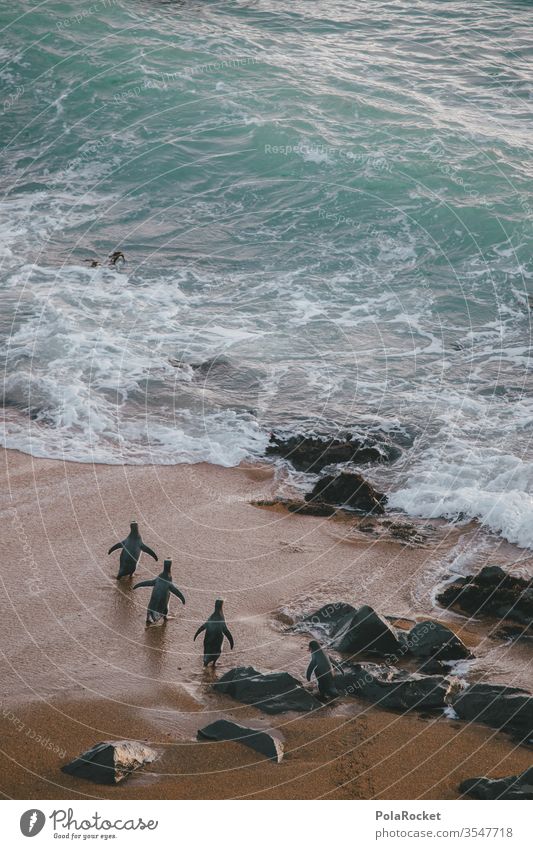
327 204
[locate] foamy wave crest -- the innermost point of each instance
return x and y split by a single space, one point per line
488 485
225 439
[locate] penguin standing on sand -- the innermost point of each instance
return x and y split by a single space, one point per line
131 551
322 666
215 630
162 587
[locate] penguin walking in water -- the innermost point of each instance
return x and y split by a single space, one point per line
116 256
322 666
162 587
131 551
215 630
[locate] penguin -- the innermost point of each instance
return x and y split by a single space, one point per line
322 666
162 587
131 551
215 630
93 263
115 256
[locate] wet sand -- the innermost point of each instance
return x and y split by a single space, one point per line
78 665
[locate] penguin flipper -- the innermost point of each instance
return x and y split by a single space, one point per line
144 584
175 590
148 551
199 631
227 633
310 669
115 547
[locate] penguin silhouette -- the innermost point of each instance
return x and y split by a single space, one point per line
322 666
215 630
115 257
162 587
131 551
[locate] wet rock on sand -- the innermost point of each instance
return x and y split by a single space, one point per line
273 692
510 787
313 453
435 642
351 631
110 762
506 708
364 631
388 687
493 592
268 743
350 489
295 506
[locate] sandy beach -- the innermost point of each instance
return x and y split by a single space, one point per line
79 667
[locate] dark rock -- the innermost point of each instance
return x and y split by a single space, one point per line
313 453
310 509
111 762
348 488
511 787
513 633
491 575
273 692
434 641
295 506
365 631
388 687
267 743
492 592
506 708
406 532
434 667
331 618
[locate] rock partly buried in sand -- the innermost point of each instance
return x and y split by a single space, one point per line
506 708
347 488
313 453
273 692
510 787
268 743
111 762
492 592
388 687
435 642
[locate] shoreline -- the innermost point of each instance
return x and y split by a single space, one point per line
80 666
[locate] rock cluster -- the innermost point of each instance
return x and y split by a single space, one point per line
492 592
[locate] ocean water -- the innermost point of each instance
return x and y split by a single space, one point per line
325 209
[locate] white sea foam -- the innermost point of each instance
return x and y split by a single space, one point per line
482 483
